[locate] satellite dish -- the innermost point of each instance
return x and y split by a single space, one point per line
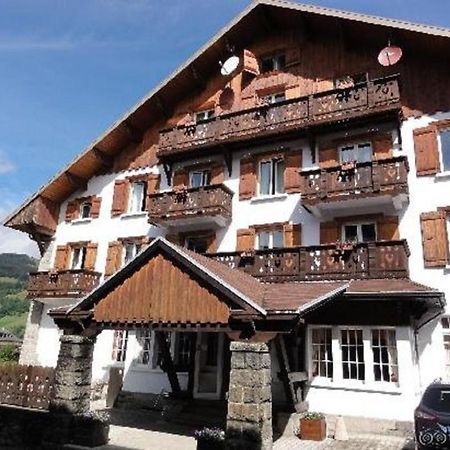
390 55
229 66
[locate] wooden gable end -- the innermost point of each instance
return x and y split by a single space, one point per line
160 291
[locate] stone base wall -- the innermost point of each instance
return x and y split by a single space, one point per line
249 418
28 354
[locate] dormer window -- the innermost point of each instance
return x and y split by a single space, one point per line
274 98
198 178
273 63
137 198
85 210
78 258
359 152
201 116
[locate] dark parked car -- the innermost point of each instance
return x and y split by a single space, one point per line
432 418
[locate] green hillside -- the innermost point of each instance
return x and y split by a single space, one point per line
14 271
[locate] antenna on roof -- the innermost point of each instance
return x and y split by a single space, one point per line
390 55
229 66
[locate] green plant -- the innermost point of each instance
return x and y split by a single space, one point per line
8 353
312 416
210 434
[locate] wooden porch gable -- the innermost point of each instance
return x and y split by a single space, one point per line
160 291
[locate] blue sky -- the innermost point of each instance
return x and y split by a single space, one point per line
68 69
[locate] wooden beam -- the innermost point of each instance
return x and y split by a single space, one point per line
191 371
284 373
104 159
161 107
134 134
304 28
267 21
198 77
168 365
75 181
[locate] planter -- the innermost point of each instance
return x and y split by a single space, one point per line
207 444
313 429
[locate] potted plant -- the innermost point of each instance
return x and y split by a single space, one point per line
313 426
210 438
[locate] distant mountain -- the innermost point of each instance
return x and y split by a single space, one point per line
14 271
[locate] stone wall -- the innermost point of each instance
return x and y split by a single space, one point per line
249 418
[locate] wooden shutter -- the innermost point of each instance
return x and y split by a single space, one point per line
387 228
292 234
247 180
217 175
434 239
382 146
95 207
328 157
245 239
250 64
181 178
62 257
329 232
153 183
426 150
120 198
292 177
113 258
91 256
72 210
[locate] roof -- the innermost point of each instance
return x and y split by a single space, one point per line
152 101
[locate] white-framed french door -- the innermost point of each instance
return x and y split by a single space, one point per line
208 365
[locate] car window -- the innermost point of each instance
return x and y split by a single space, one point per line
437 399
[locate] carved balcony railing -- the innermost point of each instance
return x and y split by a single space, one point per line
381 259
66 283
330 106
384 177
212 201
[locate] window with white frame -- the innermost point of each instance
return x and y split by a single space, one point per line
359 232
201 116
444 147
267 239
352 347
385 362
85 210
321 353
274 98
273 62
181 352
445 322
137 197
120 343
78 258
356 152
271 176
130 250
198 178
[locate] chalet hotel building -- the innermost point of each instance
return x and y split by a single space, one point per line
285 194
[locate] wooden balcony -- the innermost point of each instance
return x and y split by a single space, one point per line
208 205
330 106
67 283
387 177
381 259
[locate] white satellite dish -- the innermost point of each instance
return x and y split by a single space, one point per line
229 66
390 55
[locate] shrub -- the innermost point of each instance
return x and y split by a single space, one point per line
312 416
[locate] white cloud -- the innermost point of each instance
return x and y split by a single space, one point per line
6 165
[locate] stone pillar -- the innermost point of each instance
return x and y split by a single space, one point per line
73 375
249 418
28 353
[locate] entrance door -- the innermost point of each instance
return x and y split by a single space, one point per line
208 365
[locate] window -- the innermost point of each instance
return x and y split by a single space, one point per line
130 250
356 152
201 116
182 351
322 356
85 210
144 338
274 98
199 178
359 232
271 176
198 244
267 239
352 348
120 342
272 63
444 144
78 258
384 348
445 321
138 194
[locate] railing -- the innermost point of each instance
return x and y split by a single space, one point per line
27 386
213 200
359 179
67 283
328 106
381 259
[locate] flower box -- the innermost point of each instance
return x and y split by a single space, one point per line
313 427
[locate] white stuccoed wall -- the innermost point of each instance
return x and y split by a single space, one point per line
426 193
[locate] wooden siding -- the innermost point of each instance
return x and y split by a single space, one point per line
161 292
